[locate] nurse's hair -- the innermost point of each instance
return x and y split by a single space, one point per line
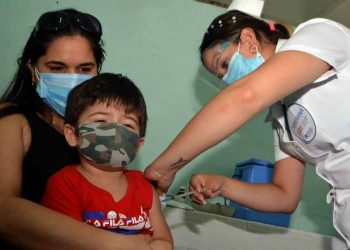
229 25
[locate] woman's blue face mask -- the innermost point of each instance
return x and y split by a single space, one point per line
54 88
240 66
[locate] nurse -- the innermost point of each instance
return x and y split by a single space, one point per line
305 80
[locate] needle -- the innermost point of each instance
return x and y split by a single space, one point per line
168 198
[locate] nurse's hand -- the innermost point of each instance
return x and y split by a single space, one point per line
160 177
206 186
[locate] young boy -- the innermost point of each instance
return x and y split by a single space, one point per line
106 120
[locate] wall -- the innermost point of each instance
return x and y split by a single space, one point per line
297 11
155 43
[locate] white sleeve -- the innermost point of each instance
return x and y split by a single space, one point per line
279 154
275 112
323 38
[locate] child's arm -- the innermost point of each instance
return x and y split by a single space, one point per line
162 238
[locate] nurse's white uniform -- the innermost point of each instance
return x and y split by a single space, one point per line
313 124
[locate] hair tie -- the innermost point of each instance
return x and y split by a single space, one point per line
272 26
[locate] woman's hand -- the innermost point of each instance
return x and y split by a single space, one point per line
206 186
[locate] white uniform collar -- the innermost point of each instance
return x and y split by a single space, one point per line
279 44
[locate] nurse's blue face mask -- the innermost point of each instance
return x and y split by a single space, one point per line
239 65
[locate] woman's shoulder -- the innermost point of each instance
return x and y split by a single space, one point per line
8 109
12 115
14 123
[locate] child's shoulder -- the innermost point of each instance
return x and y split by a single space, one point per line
138 179
136 174
65 173
69 169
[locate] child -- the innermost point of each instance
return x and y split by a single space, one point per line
106 119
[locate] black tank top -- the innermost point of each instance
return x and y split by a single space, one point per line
48 153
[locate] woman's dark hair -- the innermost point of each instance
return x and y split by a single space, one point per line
21 90
112 89
230 24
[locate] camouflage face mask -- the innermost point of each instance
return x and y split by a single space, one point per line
108 144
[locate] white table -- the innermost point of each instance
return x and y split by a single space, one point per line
199 230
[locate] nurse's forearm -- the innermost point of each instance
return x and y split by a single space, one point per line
282 195
215 122
263 197
30 225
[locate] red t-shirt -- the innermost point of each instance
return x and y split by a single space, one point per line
69 192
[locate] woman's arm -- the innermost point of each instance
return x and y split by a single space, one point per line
282 195
29 225
279 76
162 238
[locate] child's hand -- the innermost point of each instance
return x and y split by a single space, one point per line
160 244
206 186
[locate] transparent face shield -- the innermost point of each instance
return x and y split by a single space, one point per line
212 80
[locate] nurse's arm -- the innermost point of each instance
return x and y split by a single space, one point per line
282 195
278 77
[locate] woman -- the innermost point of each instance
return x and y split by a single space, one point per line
64 49
304 79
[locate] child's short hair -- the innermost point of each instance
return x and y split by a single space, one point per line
113 89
